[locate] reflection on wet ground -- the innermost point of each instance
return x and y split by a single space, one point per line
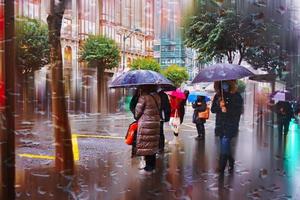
267 165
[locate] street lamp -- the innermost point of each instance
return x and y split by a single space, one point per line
125 37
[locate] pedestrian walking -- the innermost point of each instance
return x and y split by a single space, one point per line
147 112
165 116
175 117
284 115
200 116
228 106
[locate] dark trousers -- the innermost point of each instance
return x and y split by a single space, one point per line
225 153
133 150
200 129
150 162
161 137
283 125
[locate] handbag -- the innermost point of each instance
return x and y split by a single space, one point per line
175 122
132 130
204 114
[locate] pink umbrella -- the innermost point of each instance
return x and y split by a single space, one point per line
177 93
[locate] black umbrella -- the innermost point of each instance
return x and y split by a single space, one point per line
136 78
222 72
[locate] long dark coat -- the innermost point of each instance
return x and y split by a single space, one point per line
227 124
147 113
287 112
165 106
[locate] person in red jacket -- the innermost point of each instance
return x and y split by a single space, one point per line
175 116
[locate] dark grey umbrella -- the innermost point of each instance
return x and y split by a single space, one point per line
136 78
222 72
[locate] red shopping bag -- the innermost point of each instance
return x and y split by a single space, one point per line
132 129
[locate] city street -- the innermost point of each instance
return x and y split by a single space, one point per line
73 71
267 165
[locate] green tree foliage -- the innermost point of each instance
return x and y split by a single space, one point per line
100 51
241 85
223 34
267 57
176 74
145 63
32 45
216 31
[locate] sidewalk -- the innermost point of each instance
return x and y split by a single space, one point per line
267 166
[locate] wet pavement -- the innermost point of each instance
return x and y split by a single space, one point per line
267 166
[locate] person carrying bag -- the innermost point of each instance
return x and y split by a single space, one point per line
201 114
148 115
175 117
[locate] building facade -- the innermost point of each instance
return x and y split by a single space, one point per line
129 22
169 46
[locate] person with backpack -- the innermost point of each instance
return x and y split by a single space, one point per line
201 114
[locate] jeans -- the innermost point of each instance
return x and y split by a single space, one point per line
226 153
225 146
150 162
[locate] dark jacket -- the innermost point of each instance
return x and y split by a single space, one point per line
197 109
133 102
227 124
284 111
182 109
148 124
165 106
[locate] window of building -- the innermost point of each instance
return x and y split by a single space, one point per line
139 44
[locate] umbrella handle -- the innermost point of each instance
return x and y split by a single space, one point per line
222 95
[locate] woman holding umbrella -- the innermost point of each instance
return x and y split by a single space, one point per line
147 112
228 106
